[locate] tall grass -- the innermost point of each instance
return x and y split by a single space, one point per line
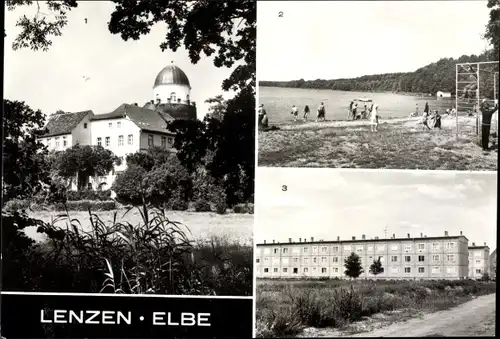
156 255
285 308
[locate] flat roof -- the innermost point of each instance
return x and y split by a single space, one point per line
331 242
476 247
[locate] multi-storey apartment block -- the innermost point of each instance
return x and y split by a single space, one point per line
402 258
479 261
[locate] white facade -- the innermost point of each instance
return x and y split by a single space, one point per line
58 142
479 261
171 93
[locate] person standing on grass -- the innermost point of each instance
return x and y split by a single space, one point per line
262 113
306 112
350 110
437 120
426 108
374 118
487 113
321 112
425 117
416 109
295 112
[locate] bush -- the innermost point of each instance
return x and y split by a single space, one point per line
85 205
243 208
202 205
88 195
16 205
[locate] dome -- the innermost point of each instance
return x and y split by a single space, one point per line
172 75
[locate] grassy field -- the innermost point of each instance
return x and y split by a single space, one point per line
399 144
287 308
203 225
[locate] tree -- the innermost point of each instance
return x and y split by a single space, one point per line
207 27
353 266
85 161
376 268
217 108
190 141
493 27
24 168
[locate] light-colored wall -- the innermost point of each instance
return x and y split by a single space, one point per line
479 262
164 92
436 260
51 142
80 134
156 139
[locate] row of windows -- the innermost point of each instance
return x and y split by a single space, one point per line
394 258
295 270
476 254
360 248
130 140
57 142
118 124
173 97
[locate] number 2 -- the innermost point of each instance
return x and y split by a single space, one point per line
280 14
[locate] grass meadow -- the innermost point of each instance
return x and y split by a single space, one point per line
286 308
398 144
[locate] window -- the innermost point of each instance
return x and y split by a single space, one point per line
421 270
436 269
275 270
315 249
324 249
407 258
421 246
295 270
150 140
380 247
478 262
187 97
285 261
435 257
336 269
421 258
335 248
305 249
257 260
120 140
450 257
275 251
450 245
266 270
314 269
407 269
110 125
285 250
118 124
172 96
323 270
285 270
478 270
305 269
435 246
394 258
130 139
65 142
407 247
395 269
57 142
266 250
370 248
296 249
450 269
170 140
314 259
266 259
295 259
108 141
163 142
477 254
323 259
359 248
335 259
394 247
306 260
99 141
85 125
347 248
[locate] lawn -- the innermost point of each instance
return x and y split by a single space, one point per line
399 144
203 225
285 308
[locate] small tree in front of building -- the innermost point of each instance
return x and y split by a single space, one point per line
352 264
376 268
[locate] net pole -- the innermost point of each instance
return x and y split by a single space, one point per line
477 107
456 100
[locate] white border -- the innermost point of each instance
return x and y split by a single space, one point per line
68 294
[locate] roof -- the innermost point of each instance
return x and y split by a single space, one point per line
146 119
64 123
172 75
478 247
361 241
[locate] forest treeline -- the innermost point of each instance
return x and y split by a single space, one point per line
438 76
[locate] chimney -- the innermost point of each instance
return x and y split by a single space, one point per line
273 241
425 236
363 237
473 244
312 239
393 236
421 235
194 104
460 232
135 103
264 241
338 238
408 235
353 238
300 239
290 240
445 233
376 238
484 243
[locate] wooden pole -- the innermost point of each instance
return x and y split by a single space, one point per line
456 98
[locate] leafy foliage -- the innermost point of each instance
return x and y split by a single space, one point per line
352 266
24 167
218 107
376 268
493 28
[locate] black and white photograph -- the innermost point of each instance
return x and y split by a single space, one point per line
378 84
129 148
373 253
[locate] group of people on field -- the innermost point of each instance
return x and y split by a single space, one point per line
320 116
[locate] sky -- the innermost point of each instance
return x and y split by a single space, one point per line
345 39
326 203
119 71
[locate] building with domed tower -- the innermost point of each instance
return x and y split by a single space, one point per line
129 128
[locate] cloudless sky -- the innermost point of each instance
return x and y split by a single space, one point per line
119 71
326 203
345 39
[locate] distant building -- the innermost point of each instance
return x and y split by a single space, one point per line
479 261
129 128
424 257
441 94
